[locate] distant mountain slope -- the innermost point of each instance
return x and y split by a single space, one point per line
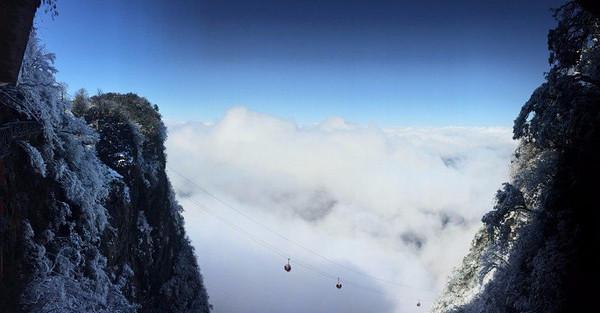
88 220
539 248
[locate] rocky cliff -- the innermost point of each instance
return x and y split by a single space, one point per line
88 220
539 248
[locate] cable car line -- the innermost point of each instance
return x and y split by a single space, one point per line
250 218
241 230
279 252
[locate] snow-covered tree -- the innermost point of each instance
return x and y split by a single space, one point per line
80 103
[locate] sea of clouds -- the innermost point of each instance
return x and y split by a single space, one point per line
391 211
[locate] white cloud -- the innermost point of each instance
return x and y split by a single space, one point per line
400 204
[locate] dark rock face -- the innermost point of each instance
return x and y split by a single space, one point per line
19 199
16 18
88 220
150 235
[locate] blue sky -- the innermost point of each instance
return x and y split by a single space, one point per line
392 63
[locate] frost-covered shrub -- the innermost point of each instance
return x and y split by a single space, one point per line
36 160
67 272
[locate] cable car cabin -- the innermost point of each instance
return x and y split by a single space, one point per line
419 304
287 267
339 284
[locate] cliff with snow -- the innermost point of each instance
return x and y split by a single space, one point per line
88 220
539 248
